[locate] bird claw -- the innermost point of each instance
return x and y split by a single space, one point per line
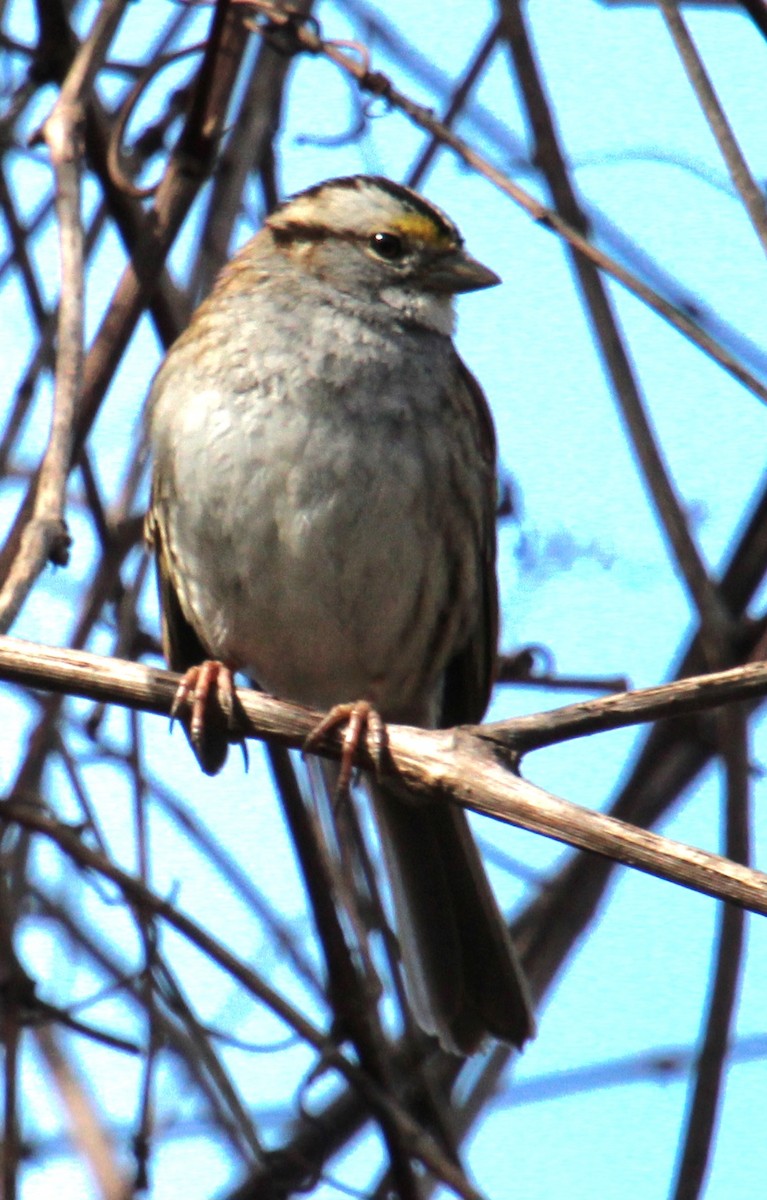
363 723
202 687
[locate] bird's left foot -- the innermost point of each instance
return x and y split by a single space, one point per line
364 726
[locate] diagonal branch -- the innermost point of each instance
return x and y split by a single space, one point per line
741 176
694 693
45 536
183 178
715 623
85 1121
347 985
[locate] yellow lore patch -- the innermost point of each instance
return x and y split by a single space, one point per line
417 226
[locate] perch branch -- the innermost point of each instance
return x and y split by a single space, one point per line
454 764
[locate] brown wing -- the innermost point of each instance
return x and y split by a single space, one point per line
183 648
463 974
180 644
469 676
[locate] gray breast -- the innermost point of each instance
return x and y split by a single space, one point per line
312 529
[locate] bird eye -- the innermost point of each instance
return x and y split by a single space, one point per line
387 245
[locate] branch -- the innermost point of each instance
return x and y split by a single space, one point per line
694 694
87 1130
184 1037
611 341
745 184
706 1092
348 987
45 537
188 167
453 764
253 130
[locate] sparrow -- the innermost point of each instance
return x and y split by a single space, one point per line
323 519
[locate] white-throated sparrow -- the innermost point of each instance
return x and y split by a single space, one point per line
323 516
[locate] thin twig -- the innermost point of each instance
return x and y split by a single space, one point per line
747 188
11 1150
181 1032
247 149
533 666
86 1127
711 1066
239 879
184 176
142 1139
457 102
693 694
355 1017
45 537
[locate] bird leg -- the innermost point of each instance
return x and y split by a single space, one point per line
363 723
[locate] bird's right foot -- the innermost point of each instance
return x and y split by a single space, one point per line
207 691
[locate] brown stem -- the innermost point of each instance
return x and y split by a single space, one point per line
586 717
182 1033
706 1093
186 172
715 622
457 102
86 1128
45 536
248 148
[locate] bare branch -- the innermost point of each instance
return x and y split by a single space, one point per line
181 182
694 694
453 764
707 1090
347 985
750 194
608 334
45 536
86 1129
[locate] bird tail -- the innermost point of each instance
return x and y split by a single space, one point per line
462 973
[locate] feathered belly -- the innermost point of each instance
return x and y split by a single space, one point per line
324 579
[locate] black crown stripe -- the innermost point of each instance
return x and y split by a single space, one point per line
397 191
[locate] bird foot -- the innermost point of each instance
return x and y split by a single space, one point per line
363 725
208 691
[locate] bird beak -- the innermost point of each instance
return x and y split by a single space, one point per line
459 272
